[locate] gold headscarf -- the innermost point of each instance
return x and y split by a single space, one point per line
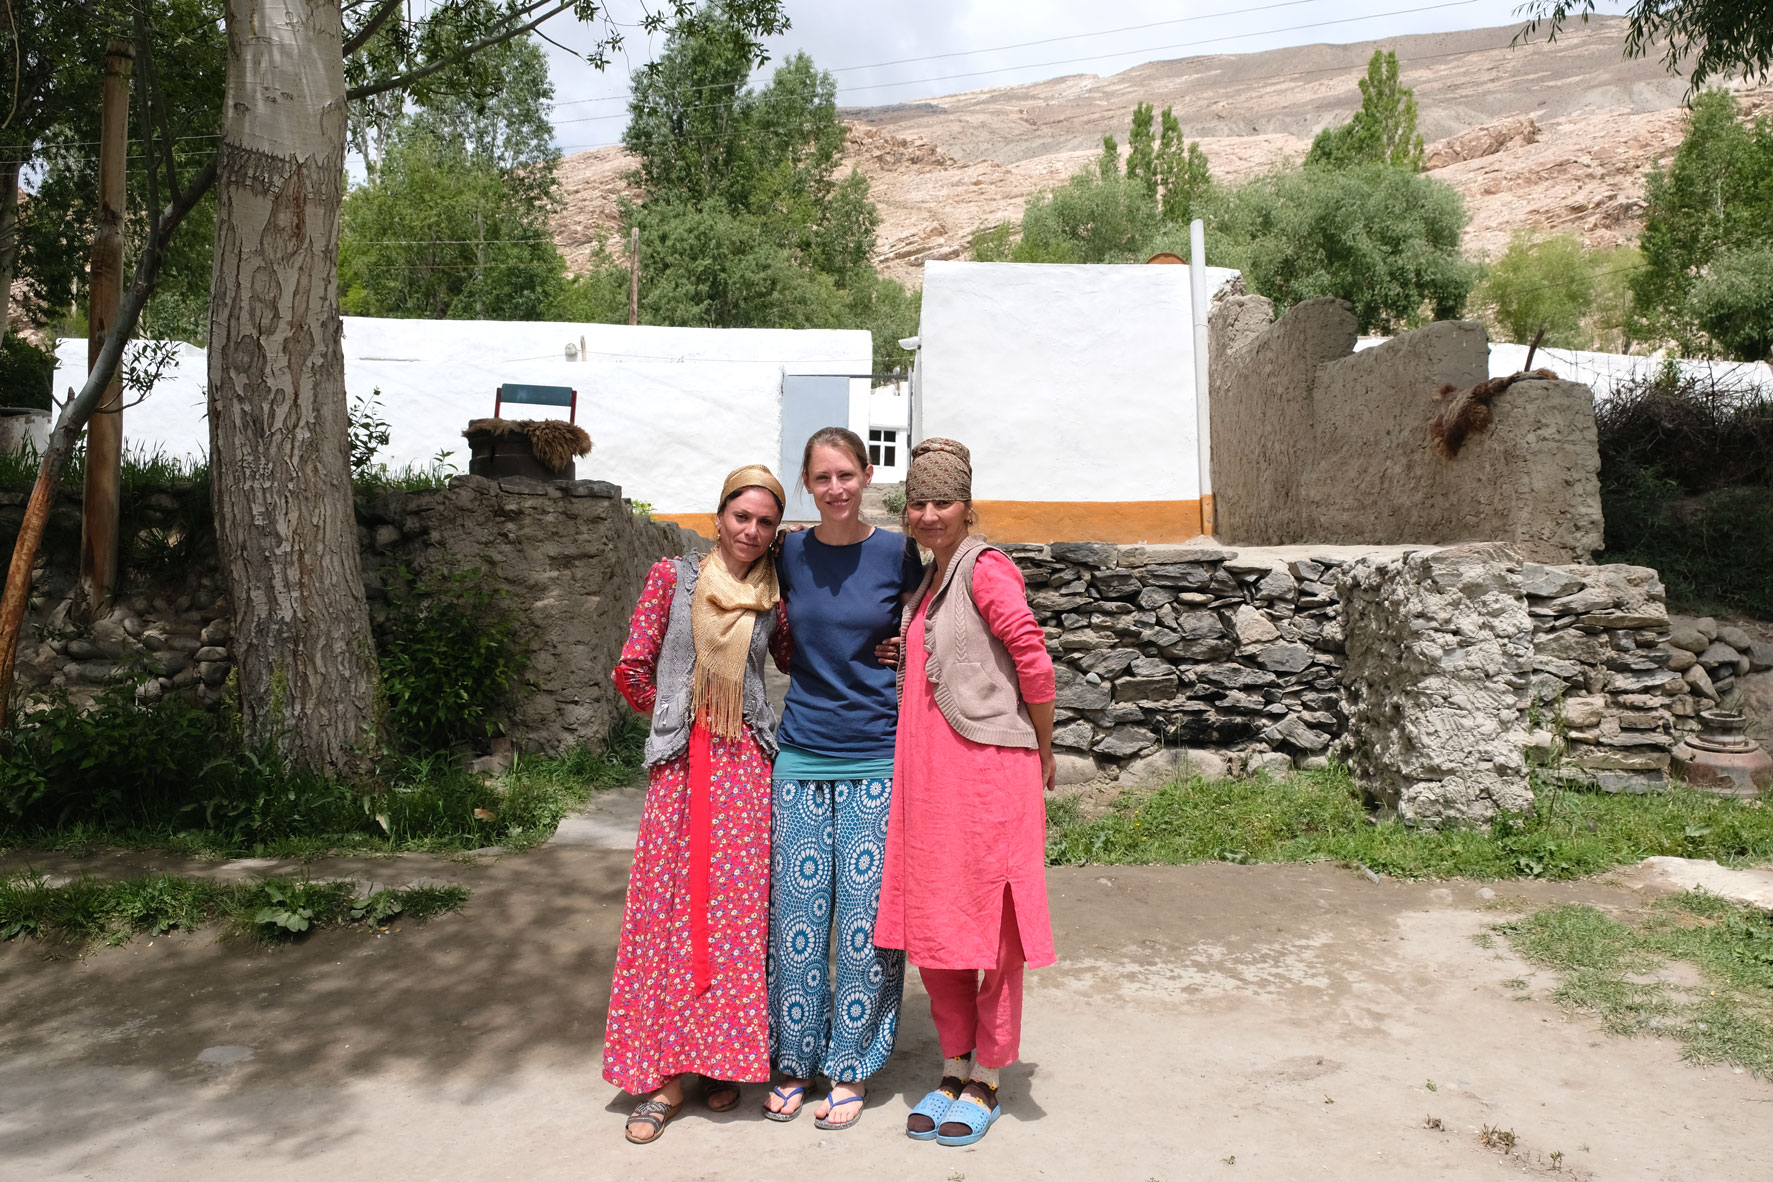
722 613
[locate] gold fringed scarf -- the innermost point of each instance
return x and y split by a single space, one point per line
721 619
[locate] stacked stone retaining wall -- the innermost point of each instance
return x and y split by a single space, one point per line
569 556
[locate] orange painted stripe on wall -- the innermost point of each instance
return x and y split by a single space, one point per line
1089 521
701 523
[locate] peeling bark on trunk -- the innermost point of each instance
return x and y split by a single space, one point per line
277 409
9 171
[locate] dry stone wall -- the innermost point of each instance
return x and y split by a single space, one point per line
1439 674
1166 652
570 556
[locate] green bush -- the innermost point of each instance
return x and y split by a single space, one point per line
1687 487
449 659
27 374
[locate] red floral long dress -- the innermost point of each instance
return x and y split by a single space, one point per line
660 1025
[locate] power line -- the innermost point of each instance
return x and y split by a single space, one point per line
988 49
1068 61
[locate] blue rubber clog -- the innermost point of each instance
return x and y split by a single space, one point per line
975 1116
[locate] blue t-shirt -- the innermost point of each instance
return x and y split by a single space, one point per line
842 601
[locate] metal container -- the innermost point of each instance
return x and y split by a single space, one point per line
1721 758
509 454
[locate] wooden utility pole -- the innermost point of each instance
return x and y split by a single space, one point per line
634 277
104 434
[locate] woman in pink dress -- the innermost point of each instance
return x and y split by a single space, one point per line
689 993
964 885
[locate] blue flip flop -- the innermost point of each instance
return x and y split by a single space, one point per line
975 1116
784 1097
935 1105
825 1122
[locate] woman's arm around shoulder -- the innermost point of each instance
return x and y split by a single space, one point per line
634 673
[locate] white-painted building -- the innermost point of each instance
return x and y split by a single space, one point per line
1074 389
1603 371
669 410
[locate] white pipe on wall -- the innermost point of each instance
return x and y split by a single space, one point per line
1197 290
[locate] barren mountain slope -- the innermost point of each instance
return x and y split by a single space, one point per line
1555 135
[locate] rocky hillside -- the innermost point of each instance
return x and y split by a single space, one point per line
1556 136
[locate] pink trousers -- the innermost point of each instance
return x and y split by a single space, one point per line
981 1014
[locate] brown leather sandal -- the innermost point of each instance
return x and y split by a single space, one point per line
718 1087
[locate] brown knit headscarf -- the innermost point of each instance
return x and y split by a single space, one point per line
941 470
722 612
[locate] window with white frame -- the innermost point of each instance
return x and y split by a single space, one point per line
883 448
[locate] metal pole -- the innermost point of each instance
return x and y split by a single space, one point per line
104 434
1203 424
634 277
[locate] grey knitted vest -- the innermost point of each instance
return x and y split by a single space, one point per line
673 712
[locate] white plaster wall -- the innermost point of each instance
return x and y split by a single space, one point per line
670 410
1602 371
1067 383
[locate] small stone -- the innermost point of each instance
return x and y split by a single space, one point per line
211 653
132 627
1110 662
1234 676
1543 582
1093 678
82 650
1305 570
1719 653
1680 658
1100 555
1641 720
1152 667
1075 693
1208 765
217 632
1268 763
1540 744
1277 585
1293 733
1145 689
1735 637
1284 658
1079 734
1700 682
1583 711
1154 597
1125 740
1252 627
1073 768
1691 639
1114 584
213 673
1760 657
1708 628
385 536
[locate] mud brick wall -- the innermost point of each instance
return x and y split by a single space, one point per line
1314 443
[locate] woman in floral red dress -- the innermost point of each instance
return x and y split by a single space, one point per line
689 992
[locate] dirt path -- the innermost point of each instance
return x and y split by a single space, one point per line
1270 1022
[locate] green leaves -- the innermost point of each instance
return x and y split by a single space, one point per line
450 657
1708 231
1383 131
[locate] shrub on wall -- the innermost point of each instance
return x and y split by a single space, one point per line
1687 487
26 374
449 660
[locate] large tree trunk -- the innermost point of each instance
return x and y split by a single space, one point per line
278 422
9 170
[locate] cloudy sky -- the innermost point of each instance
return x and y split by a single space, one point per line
909 49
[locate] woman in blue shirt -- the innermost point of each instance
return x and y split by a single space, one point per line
842 583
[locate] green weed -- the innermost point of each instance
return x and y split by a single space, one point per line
1612 967
1319 816
87 912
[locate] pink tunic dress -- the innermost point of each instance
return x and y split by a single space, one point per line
967 819
660 1023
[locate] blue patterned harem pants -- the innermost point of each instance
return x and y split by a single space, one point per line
827 841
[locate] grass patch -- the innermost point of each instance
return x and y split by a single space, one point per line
87 912
1607 968
1319 816
245 806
